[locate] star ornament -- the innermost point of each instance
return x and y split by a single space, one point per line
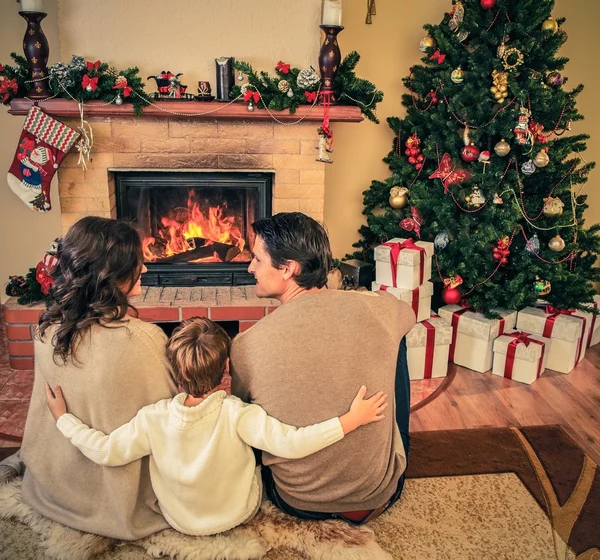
449 175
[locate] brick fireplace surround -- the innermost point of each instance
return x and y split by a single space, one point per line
230 138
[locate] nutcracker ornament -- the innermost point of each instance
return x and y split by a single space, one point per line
523 135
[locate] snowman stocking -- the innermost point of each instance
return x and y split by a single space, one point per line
43 145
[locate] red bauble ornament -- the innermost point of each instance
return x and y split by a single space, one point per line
407 152
420 158
469 153
451 296
412 160
419 166
414 152
488 4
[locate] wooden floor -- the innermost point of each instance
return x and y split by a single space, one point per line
482 400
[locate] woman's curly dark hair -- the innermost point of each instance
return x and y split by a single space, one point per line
99 262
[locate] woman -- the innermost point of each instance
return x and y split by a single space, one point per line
110 365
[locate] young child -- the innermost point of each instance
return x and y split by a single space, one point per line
202 466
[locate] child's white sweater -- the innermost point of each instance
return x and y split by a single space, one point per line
202 466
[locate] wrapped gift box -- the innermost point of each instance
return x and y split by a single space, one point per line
402 263
419 298
565 331
428 344
474 335
520 356
595 328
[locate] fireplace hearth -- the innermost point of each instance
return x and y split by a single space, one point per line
196 226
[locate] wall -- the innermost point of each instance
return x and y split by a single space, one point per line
388 48
24 234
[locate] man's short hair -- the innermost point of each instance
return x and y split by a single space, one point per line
293 236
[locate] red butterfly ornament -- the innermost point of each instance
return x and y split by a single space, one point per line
414 223
448 174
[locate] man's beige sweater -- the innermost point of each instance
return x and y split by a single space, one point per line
122 370
303 364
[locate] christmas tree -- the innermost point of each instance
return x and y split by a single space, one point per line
484 165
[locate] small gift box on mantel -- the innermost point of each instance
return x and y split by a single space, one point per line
428 344
402 263
520 356
564 328
473 335
418 298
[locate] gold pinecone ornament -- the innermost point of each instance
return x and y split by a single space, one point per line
283 86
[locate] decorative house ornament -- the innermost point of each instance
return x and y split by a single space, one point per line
553 207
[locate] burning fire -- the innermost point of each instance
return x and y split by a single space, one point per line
185 229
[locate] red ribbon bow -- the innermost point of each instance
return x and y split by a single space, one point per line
254 95
310 96
395 249
93 65
520 338
414 223
122 84
283 68
87 81
438 56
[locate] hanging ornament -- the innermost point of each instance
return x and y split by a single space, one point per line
413 223
554 79
441 241
413 151
457 15
398 197
290 93
523 135
502 47
283 86
457 76
466 136
512 58
533 245
451 293
502 148
88 87
537 131
119 100
528 168
497 200
550 25
250 106
240 76
427 43
469 153
448 174
541 287
488 4
484 157
557 244
476 198
541 159
553 207
501 251
499 88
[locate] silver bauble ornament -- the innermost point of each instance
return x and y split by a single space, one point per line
119 100
441 241
533 245
250 106
528 168
557 244
502 148
290 93
88 88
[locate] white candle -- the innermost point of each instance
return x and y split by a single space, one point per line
32 6
332 12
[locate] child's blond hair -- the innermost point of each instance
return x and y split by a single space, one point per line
198 350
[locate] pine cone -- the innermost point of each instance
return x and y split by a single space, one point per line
307 78
112 71
283 86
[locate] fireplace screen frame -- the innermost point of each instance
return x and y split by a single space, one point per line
195 274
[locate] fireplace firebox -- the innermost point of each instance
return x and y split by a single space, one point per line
196 226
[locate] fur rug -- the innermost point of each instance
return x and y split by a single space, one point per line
270 529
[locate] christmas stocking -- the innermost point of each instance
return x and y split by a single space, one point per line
43 145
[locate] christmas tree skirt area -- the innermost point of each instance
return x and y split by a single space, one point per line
527 493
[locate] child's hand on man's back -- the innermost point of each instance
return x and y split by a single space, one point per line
364 411
55 401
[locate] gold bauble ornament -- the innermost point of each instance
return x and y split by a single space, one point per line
427 43
502 148
498 95
457 75
553 207
541 159
550 25
398 197
557 244
494 89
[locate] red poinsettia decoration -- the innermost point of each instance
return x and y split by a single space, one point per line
6 86
121 83
282 67
92 82
310 96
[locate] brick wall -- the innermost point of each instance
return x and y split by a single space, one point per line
153 143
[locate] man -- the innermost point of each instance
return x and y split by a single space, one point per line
303 364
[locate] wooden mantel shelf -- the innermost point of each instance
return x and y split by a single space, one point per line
188 109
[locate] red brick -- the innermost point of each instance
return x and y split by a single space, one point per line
245 325
271 309
236 313
189 312
20 348
18 332
22 315
20 363
159 313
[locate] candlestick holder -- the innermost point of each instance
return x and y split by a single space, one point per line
35 46
329 58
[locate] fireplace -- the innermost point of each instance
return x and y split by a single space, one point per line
196 226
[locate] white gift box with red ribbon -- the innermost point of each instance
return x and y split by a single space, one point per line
418 298
403 263
428 344
566 330
473 335
595 328
520 356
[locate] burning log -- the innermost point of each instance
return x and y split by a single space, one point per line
201 248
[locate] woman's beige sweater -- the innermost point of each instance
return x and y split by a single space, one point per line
120 370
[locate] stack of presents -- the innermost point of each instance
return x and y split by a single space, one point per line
516 345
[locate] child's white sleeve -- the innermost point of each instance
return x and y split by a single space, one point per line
260 430
127 443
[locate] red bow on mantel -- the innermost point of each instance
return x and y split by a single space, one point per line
93 65
449 175
414 223
520 338
283 68
438 56
122 84
87 81
252 95
310 96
